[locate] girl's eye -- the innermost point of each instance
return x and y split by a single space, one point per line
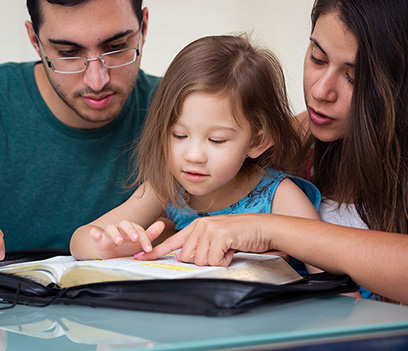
316 60
217 141
178 136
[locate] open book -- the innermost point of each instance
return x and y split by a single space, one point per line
65 271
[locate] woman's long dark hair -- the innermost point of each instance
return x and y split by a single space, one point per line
369 167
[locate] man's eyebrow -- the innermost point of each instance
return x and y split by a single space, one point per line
315 42
72 43
117 36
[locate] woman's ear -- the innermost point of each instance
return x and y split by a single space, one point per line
260 144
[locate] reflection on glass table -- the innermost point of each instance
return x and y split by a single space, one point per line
63 327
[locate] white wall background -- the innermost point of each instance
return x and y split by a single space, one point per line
282 25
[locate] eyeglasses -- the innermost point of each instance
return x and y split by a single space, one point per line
70 65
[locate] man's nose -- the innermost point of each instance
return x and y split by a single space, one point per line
96 75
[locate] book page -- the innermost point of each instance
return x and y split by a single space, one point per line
70 272
246 267
43 271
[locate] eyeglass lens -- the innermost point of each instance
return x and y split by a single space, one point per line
109 60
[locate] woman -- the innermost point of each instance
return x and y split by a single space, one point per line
356 92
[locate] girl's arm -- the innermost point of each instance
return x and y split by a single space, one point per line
290 200
120 232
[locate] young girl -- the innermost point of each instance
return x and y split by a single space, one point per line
219 139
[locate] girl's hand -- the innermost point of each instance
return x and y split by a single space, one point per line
108 240
2 247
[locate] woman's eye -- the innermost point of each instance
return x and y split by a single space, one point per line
350 80
316 60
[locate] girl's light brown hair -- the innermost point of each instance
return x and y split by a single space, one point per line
250 77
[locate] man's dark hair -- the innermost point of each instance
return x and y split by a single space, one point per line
34 10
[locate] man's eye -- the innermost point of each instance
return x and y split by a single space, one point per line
68 53
115 47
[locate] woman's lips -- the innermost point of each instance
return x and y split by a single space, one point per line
318 118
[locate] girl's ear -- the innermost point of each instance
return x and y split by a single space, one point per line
260 144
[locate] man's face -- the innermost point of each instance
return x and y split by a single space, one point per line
95 97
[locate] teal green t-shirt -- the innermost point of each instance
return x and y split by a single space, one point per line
54 178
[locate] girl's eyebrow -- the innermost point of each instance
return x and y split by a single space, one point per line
315 42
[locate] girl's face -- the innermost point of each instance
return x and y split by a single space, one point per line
329 77
208 148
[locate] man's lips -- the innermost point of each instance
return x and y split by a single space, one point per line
98 102
319 118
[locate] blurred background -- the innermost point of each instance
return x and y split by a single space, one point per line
281 25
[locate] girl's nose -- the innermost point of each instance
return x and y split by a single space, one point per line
195 153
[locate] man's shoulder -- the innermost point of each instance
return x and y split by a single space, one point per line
145 79
15 70
147 82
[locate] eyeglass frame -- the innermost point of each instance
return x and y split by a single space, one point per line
100 57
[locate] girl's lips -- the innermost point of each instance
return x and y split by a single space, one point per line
97 103
194 177
318 118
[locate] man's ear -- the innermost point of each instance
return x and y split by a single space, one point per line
260 144
145 23
31 36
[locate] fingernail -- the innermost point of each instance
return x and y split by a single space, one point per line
141 253
177 257
118 240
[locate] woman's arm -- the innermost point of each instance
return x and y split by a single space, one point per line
378 261
120 232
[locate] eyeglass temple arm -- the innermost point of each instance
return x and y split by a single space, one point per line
42 49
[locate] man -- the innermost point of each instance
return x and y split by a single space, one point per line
67 123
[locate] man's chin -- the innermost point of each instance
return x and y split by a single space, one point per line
95 122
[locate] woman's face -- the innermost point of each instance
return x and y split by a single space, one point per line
329 78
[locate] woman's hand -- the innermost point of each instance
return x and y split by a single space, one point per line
212 241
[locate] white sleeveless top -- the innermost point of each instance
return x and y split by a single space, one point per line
346 215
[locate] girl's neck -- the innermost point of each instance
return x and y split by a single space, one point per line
228 194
